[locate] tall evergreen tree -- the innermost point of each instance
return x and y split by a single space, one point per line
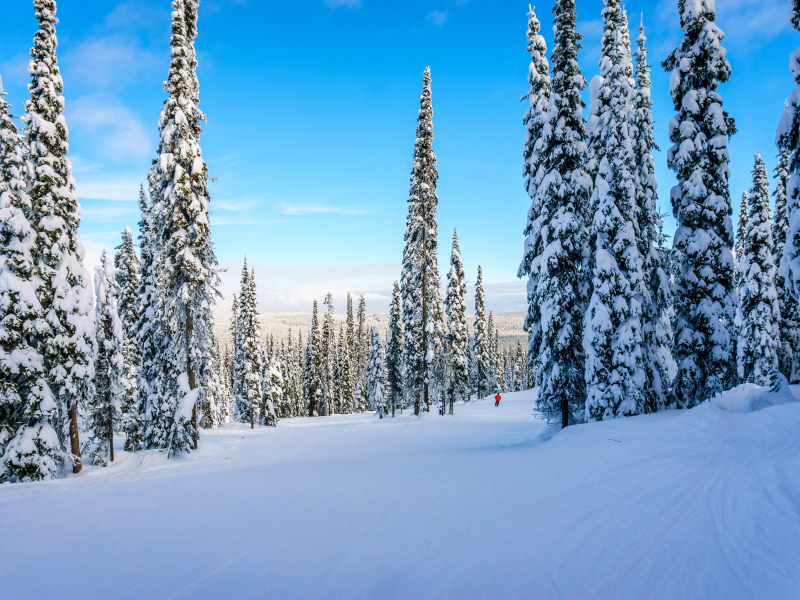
362 356
328 358
613 336
313 375
423 314
394 352
457 338
534 120
186 265
66 294
482 343
376 380
147 334
126 264
789 349
758 300
251 364
105 411
704 299
657 299
29 446
741 229
557 284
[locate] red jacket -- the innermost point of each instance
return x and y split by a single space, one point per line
497 398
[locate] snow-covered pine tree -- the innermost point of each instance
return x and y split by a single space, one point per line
701 203
534 120
482 343
328 358
126 264
394 352
348 382
362 355
66 343
789 349
499 379
251 365
313 366
301 408
29 446
186 265
422 303
147 327
458 337
657 301
217 403
741 229
491 351
271 390
759 316
613 336
376 379
105 410
557 283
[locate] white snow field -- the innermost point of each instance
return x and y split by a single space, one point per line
691 504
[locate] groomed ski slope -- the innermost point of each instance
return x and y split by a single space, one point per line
684 504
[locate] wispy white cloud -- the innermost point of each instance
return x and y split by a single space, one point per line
119 189
437 17
339 3
304 209
116 130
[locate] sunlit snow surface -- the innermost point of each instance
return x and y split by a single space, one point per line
683 504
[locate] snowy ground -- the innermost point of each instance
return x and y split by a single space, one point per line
684 504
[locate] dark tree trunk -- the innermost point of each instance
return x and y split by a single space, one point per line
190 371
111 430
452 395
564 413
75 442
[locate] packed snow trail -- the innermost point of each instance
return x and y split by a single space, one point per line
682 504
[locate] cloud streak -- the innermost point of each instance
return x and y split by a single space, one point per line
304 209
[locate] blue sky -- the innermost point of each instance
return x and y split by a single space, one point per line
311 109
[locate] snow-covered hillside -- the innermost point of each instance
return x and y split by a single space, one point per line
487 504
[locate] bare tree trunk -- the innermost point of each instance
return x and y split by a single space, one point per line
190 371
452 394
564 413
75 442
111 430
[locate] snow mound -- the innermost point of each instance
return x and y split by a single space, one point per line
750 397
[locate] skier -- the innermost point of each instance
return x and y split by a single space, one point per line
497 400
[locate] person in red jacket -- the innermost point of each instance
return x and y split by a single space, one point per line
497 400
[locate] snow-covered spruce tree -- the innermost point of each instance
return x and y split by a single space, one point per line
271 390
351 354
657 300
499 380
67 340
362 355
249 395
457 337
759 316
217 404
483 367
534 120
701 203
423 313
186 265
328 358
490 349
557 285
789 349
29 447
376 380
348 383
126 264
105 410
147 327
613 337
313 365
741 229
394 352
787 139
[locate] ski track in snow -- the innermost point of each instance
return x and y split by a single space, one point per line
490 503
